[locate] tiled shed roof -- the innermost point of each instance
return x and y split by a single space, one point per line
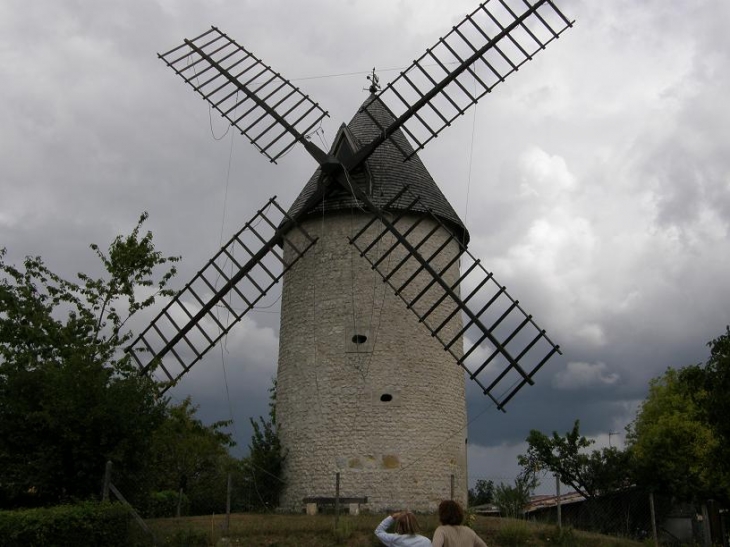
387 173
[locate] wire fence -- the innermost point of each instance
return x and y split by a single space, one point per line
174 516
631 513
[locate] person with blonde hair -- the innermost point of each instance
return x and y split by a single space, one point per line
451 533
406 531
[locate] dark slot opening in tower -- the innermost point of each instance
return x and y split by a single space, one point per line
359 339
386 397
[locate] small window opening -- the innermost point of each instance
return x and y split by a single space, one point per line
386 397
359 339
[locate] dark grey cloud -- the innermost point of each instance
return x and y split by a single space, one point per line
594 182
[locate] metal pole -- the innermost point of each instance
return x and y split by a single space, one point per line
337 499
653 519
557 494
452 486
466 469
228 504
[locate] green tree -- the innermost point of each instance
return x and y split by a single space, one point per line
717 384
512 500
482 493
69 397
669 441
192 456
262 469
680 439
709 387
588 473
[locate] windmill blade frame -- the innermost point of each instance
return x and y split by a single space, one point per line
177 338
428 96
514 356
263 106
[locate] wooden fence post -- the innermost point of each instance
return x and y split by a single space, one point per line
653 519
707 532
136 516
557 493
179 503
107 481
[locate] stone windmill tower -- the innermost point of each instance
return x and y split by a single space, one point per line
384 310
358 398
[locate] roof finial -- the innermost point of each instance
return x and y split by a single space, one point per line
374 82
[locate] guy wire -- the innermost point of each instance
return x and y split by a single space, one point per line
210 108
314 312
224 341
382 305
471 157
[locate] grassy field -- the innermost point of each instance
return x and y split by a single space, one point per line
249 530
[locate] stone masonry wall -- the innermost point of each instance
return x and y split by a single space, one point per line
363 389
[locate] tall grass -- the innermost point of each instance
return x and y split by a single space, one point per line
515 533
275 530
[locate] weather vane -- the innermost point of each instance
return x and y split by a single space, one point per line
374 82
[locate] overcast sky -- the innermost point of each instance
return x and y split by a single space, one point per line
595 182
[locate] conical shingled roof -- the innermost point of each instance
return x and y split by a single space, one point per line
387 173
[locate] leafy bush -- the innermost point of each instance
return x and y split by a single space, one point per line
470 518
512 500
89 524
514 534
164 504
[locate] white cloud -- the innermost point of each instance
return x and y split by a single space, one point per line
544 176
592 334
584 375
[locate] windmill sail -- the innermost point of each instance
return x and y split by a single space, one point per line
226 289
479 53
503 346
262 105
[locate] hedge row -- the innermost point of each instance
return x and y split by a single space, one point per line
88 524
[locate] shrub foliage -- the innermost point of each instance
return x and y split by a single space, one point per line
89 524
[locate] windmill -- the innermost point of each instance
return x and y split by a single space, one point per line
384 310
